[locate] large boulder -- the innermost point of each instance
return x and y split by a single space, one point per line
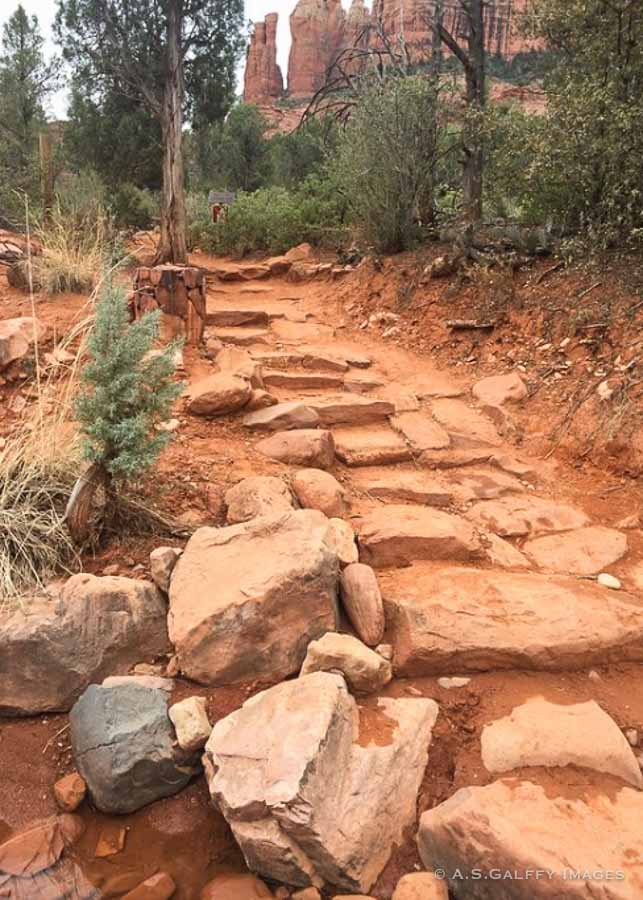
308 803
17 336
124 746
397 535
51 650
219 395
304 447
269 585
541 733
580 840
260 495
461 619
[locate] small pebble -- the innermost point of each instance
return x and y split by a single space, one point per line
455 682
609 581
632 736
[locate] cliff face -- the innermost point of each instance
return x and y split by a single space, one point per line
321 28
263 79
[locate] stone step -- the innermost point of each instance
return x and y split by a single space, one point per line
445 619
231 317
304 381
465 423
398 535
527 514
243 337
403 486
349 409
372 446
311 360
421 431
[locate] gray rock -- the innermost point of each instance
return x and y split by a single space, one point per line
124 746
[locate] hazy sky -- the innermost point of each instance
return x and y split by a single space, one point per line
255 9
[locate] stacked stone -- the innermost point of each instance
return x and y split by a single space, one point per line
179 292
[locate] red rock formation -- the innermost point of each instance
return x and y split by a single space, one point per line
317 29
263 79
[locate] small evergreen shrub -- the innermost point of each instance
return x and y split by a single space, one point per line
128 389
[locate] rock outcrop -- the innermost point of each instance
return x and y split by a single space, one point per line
263 79
269 584
306 800
317 30
51 650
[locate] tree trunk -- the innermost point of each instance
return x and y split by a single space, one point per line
173 240
472 133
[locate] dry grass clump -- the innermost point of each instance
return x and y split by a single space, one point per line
74 251
38 466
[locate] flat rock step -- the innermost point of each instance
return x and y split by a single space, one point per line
372 446
483 484
243 337
403 486
303 381
349 409
585 551
421 431
518 516
397 535
469 425
311 360
231 317
445 619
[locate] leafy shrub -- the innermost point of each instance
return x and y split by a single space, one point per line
202 232
128 389
134 207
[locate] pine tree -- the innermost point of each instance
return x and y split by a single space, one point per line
128 390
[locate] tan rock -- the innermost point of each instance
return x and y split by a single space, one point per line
370 446
304 447
468 620
585 551
17 336
160 886
298 789
218 395
397 535
191 723
299 253
282 417
350 409
39 847
237 361
260 400
259 495
162 562
421 886
235 886
362 601
269 584
70 792
500 389
316 489
402 486
517 516
503 554
483 484
302 381
245 336
51 650
364 670
420 431
540 733
519 826
342 539
310 893
466 426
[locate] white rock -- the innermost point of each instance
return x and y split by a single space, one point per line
609 581
363 668
540 733
455 682
191 723
162 562
342 539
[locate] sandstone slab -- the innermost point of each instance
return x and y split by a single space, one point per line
308 802
403 486
350 409
460 619
541 733
282 417
465 425
302 381
259 495
518 516
420 431
511 826
396 535
365 670
218 395
503 554
246 336
370 446
421 886
584 551
51 650
496 390
123 743
316 489
269 584
483 484
302 447
362 602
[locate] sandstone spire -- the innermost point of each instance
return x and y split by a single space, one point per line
263 79
317 28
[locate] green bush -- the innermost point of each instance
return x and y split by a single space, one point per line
134 207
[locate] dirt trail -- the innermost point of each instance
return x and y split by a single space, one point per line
435 449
